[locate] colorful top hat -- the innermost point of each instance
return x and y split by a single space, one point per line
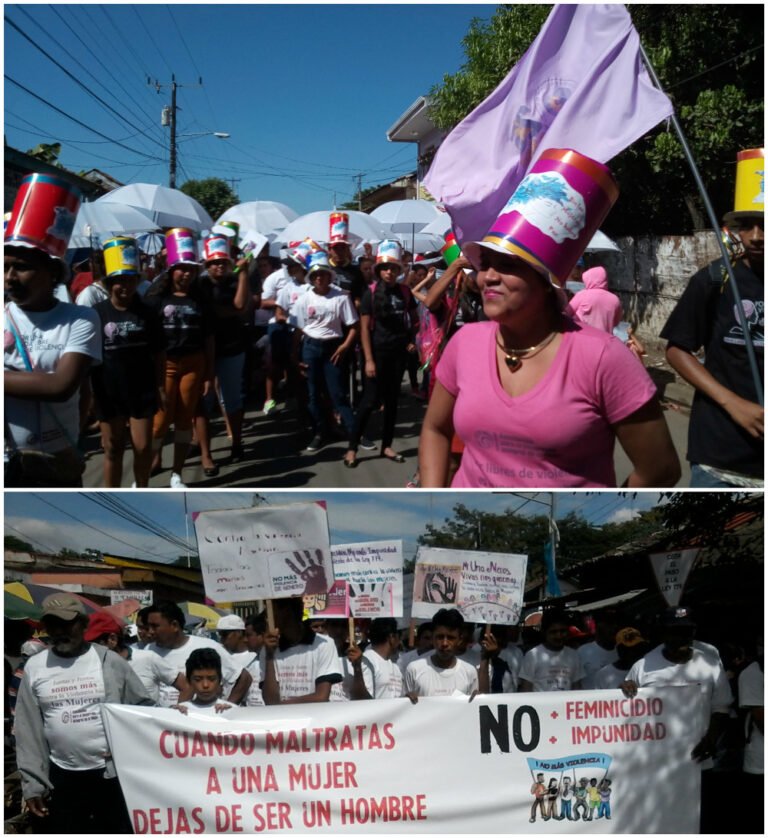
338 232
232 230
181 247
303 250
389 252
216 247
318 261
750 185
43 214
121 257
552 215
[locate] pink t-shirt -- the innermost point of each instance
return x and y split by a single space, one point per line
556 435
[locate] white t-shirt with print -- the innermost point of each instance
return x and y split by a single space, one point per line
47 336
298 668
343 690
250 662
230 671
513 657
593 658
424 678
289 296
387 677
548 670
152 671
69 692
608 678
269 291
91 295
323 316
751 685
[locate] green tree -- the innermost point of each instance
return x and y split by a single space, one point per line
709 61
507 532
47 152
17 545
213 193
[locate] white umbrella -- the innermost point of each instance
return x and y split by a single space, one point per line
420 242
167 207
260 216
406 216
601 242
439 226
97 220
315 225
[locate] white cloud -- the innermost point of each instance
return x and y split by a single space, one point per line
620 516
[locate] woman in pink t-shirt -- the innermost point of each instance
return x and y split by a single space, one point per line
539 399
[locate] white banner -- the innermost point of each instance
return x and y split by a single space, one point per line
671 570
264 553
443 765
120 595
485 587
374 571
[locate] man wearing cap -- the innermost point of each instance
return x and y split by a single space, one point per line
67 775
49 345
630 647
678 662
726 428
152 670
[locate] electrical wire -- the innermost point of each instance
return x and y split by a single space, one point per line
29 538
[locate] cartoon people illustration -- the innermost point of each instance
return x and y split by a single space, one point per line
580 794
604 809
593 796
566 800
553 790
539 792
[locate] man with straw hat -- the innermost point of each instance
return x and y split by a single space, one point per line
725 433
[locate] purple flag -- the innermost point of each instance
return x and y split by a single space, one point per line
581 85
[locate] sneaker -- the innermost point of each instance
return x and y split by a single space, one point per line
367 444
176 482
270 407
316 444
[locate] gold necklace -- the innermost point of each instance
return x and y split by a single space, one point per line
514 357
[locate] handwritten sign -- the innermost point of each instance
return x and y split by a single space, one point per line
264 553
374 573
671 571
485 587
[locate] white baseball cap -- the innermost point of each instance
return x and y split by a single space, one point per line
230 622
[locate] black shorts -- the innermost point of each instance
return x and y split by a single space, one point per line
118 393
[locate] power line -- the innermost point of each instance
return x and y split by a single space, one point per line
29 538
77 121
77 81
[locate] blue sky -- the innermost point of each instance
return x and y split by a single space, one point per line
52 520
307 92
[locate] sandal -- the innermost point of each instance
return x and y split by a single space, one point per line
349 463
396 458
211 472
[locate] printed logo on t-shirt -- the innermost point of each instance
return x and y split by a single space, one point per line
754 314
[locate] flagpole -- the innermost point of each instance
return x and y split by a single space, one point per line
716 227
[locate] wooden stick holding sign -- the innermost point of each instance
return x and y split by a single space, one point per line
270 615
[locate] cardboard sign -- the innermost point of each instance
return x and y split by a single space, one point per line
267 552
335 603
485 587
374 573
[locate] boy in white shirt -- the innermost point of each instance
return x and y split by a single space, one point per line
204 676
551 665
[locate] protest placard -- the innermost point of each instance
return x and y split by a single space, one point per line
485 587
374 573
388 766
264 553
671 571
335 603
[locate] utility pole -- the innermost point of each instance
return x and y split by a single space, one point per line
360 192
169 118
233 181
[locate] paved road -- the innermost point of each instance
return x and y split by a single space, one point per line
275 457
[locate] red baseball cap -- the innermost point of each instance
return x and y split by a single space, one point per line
101 623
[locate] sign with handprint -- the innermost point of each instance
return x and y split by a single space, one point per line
373 571
335 603
265 553
485 587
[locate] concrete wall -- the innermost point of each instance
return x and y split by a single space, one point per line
650 274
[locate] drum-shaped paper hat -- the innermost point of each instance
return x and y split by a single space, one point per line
232 230
318 261
216 246
750 185
43 214
303 250
552 215
121 257
338 228
181 247
389 252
